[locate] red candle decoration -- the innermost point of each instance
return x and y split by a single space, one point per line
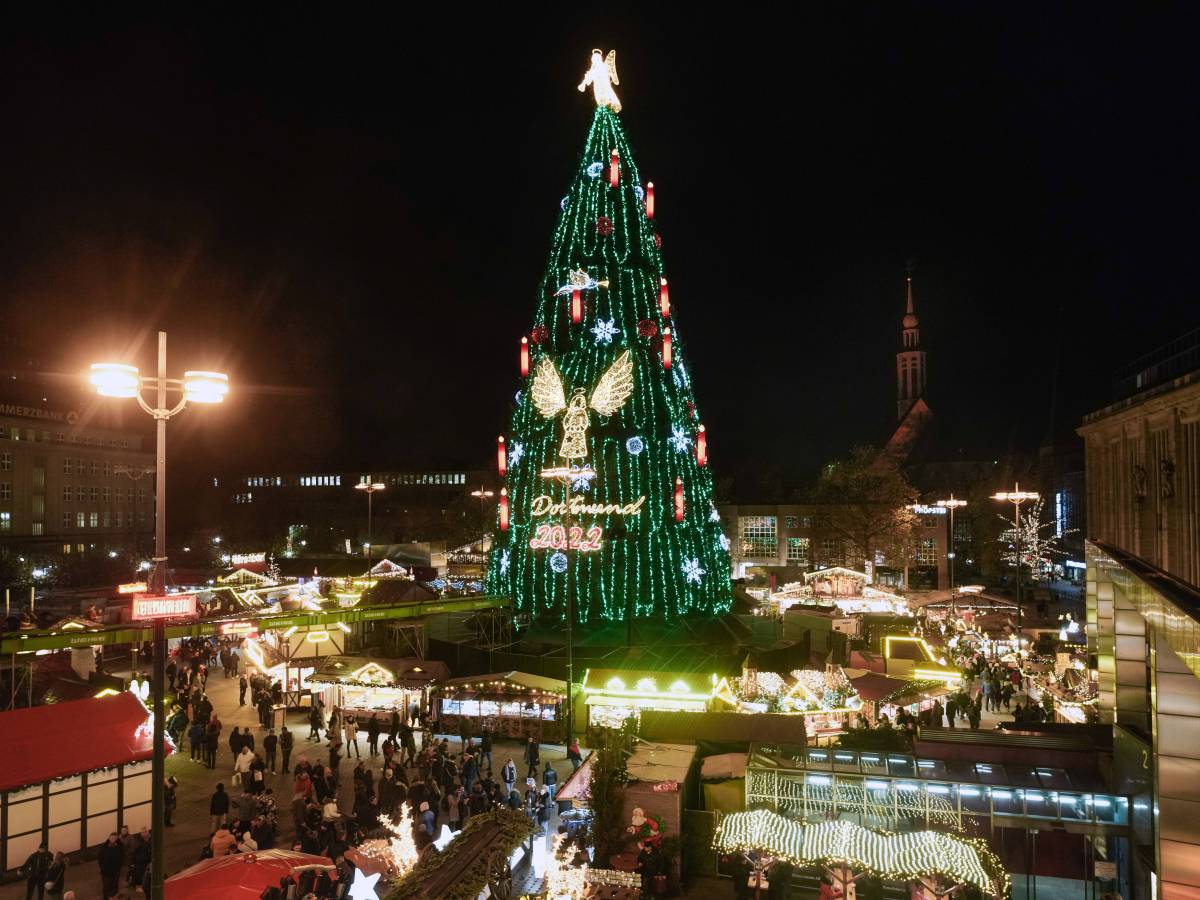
664 299
501 456
649 199
701 448
678 499
504 509
614 169
576 306
524 357
666 348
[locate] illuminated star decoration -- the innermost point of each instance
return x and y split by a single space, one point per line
504 557
605 331
558 562
595 169
679 440
363 886
515 452
579 280
635 445
722 541
692 571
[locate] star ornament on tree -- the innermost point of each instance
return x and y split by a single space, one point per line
363 886
504 560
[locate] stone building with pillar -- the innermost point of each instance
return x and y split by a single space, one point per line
1143 609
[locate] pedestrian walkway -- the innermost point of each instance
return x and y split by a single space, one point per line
190 833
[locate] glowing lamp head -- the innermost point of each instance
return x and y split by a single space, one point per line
205 387
115 379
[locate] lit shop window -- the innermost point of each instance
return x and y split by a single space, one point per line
760 535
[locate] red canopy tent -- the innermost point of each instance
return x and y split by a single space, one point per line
44 742
240 876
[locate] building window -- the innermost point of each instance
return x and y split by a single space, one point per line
141 495
5 461
797 550
66 548
118 520
107 468
930 522
142 517
68 466
5 490
926 552
68 493
790 522
831 554
95 468
95 494
79 548
38 528
5 521
80 520
760 535
107 494
94 520
66 522
106 519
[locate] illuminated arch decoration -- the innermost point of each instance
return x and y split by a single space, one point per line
894 857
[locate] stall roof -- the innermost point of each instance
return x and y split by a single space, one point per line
660 762
724 765
521 679
632 681
43 742
365 671
872 686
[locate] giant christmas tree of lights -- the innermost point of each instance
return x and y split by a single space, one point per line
606 462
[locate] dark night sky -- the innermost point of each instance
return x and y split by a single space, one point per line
351 215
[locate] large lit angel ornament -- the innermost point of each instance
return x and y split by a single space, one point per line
602 76
549 396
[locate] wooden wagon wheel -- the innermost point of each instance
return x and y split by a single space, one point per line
500 880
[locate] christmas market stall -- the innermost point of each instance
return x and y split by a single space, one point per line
71 773
508 704
247 876
367 687
614 695
885 695
826 699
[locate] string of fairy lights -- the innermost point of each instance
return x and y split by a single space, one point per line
656 562
893 857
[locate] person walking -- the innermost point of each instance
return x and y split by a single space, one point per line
212 739
315 723
352 737
533 757
235 743
508 774
285 746
270 745
573 754
373 736
196 739
141 856
218 808
243 686
110 857
549 779
485 750
35 871
56 877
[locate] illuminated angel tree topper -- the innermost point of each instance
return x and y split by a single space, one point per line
601 392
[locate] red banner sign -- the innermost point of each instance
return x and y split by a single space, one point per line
169 606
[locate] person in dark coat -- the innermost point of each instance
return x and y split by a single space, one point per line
110 858
218 808
243 685
170 801
285 746
373 736
141 856
56 876
270 745
235 742
533 757
35 871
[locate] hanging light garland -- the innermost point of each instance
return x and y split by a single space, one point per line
893 857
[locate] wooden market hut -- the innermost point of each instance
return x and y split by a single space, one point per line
367 686
508 704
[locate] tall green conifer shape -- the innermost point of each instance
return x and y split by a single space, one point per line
629 554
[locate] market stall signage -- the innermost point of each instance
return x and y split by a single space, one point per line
244 628
132 587
173 606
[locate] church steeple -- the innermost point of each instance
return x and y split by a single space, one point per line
910 361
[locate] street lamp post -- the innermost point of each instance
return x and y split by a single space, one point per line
370 487
952 504
1016 497
483 496
120 380
567 476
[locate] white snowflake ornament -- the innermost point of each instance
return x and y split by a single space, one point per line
605 331
679 440
692 571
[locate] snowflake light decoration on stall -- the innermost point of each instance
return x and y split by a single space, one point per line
558 563
504 560
515 452
605 331
635 445
692 571
595 169
679 440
